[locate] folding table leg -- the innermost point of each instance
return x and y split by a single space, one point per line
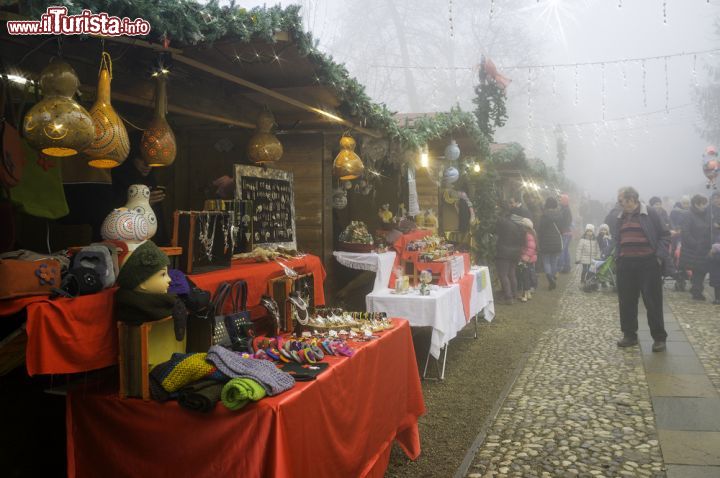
427 360
442 375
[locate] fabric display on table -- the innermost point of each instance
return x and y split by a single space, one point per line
181 370
200 396
238 392
303 372
274 381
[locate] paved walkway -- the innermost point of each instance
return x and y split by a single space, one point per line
582 407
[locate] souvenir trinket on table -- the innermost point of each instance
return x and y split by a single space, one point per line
355 238
425 281
273 205
206 239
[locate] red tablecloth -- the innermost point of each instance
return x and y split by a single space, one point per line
341 425
77 335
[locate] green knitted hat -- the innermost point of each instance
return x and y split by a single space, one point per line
145 261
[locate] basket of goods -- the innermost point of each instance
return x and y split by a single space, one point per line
356 238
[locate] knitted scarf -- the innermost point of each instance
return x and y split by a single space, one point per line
200 396
239 391
274 381
136 308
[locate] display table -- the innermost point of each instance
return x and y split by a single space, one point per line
447 309
381 264
341 425
442 310
481 297
78 335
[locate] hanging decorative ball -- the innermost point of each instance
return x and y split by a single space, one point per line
157 146
452 151
339 198
451 175
347 164
111 146
264 147
57 125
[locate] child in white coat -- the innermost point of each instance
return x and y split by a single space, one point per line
587 251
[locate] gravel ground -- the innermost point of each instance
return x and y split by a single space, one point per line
477 373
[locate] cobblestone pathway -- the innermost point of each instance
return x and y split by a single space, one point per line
580 407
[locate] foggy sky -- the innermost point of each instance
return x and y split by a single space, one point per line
659 154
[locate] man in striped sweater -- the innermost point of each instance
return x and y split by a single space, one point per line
642 248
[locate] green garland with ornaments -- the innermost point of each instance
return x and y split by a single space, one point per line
186 22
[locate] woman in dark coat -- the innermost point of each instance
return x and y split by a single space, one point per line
510 241
696 243
550 243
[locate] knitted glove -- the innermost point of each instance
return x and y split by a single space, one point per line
179 314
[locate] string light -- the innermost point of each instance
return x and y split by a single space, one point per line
664 7
624 75
602 89
450 15
667 88
492 9
644 84
553 81
577 85
556 65
694 68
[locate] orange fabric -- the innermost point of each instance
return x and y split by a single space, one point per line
341 424
466 283
77 335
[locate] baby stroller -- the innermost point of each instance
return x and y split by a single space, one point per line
601 272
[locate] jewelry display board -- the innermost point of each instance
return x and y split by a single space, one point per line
273 200
206 238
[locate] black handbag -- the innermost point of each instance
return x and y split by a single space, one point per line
238 325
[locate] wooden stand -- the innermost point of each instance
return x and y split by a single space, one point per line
140 348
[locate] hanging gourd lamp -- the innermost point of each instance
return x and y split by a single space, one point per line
111 146
263 146
57 125
157 146
347 165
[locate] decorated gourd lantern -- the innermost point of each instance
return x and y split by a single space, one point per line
57 125
348 165
263 146
157 146
111 146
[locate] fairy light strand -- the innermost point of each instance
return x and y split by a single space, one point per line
602 89
556 65
644 83
667 88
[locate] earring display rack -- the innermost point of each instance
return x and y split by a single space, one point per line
273 204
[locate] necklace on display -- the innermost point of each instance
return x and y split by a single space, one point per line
206 239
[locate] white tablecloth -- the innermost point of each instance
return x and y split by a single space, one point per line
372 261
481 298
442 310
